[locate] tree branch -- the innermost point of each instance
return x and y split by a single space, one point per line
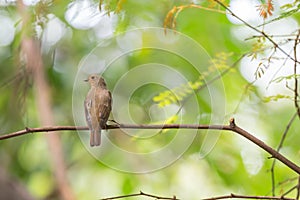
231 196
31 57
296 95
231 127
237 196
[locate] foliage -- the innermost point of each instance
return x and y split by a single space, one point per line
289 9
179 94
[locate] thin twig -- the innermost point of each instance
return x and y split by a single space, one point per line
289 191
296 95
298 188
232 127
236 196
219 76
231 196
272 36
277 71
278 149
141 194
257 30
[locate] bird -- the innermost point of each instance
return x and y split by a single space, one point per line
97 106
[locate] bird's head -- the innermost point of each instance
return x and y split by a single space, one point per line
96 80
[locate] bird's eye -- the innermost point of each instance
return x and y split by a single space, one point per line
92 77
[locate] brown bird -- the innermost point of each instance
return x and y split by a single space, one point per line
97 106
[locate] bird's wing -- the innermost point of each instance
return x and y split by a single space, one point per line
104 106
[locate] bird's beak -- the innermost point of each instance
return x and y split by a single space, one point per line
86 80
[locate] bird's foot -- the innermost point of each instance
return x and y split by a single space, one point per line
111 120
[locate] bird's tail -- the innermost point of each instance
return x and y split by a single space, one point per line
95 138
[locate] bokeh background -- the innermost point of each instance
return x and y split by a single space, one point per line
47 47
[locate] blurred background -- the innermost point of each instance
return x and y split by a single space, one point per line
49 47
